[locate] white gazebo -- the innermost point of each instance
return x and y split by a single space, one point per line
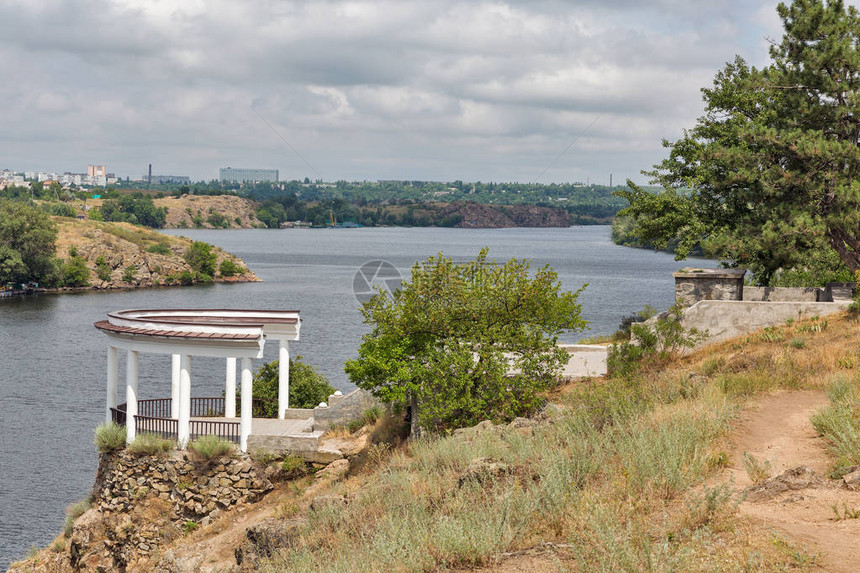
183 333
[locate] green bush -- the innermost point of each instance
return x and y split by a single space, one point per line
109 437
147 444
158 248
208 447
229 268
103 270
307 387
186 278
75 271
200 258
129 273
653 343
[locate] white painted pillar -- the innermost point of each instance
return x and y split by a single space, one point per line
230 390
174 386
247 403
283 377
112 381
184 417
131 367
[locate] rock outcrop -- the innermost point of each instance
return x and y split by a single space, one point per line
481 216
127 257
209 212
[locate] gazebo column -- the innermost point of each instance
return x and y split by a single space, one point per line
174 386
283 377
131 394
230 390
112 381
184 417
247 404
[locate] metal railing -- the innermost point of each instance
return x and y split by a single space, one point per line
154 417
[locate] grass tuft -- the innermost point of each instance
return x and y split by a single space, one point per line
109 437
73 512
757 470
209 446
147 444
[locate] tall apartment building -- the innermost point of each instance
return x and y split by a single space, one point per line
96 170
239 175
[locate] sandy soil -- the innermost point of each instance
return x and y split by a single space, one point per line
777 429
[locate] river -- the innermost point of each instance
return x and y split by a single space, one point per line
52 388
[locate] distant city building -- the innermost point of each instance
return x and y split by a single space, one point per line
96 170
159 179
232 175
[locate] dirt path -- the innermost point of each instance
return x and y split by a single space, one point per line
778 430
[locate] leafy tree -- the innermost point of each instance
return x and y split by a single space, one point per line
75 271
135 208
466 342
307 387
27 244
769 178
200 258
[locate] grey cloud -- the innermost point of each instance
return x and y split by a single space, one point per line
474 90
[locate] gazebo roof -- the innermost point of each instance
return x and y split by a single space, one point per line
199 326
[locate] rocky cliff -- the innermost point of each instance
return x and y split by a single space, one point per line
209 212
134 256
482 216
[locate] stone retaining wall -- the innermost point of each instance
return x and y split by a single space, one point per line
783 294
726 319
197 490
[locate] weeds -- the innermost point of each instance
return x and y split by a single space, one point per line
147 444
190 526
845 512
73 512
607 474
211 446
771 334
757 470
798 342
839 422
109 437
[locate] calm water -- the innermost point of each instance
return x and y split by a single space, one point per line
52 360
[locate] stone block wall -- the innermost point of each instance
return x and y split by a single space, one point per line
197 490
693 285
783 294
727 319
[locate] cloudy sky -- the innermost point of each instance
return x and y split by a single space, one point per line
553 91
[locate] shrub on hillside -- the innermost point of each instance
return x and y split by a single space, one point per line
229 268
652 343
103 270
158 248
200 258
75 270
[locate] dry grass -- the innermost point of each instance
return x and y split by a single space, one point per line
616 473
